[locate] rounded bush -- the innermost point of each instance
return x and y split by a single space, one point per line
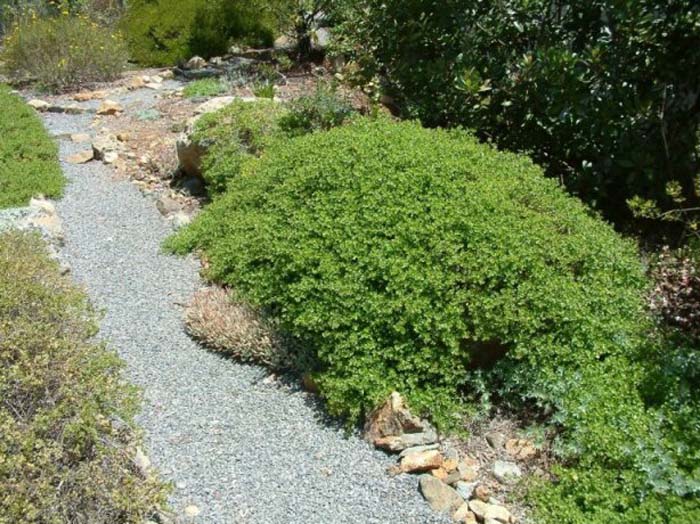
419 260
164 32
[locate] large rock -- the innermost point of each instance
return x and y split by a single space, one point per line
109 107
394 428
441 497
104 147
196 62
321 38
39 105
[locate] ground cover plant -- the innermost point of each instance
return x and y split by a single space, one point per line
28 157
421 261
67 441
62 51
205 87
163 32
597 91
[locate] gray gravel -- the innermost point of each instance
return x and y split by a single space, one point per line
242 447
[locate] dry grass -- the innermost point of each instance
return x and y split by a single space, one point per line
226 325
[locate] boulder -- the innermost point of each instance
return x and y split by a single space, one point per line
465 489
321 39
284 43
478 507
441 497
464 515
497 513
104 144
393 427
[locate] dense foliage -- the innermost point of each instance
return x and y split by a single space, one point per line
28 157
321 110
163 32
66 440
598 91
63 51
233 135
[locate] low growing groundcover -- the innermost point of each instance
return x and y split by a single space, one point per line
422 261
67 439
28 157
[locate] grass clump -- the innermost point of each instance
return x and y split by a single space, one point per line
63 51
28 157
67 439
205 87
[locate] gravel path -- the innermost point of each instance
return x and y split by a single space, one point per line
241 447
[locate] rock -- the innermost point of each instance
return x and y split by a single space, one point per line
214 104
439 473
506 472
497 513
70 109
495 439
466 473
79 138
166 75
168 206
189 155
110 157
123 137
196 62
441 497
142 462
309 383
153 85
39 105
521 449
89 95
192 511
284 43
464 515
478 507
465 489
321 38
452 477
450 464
82 157
44 218
393 419
417 449
109 107
421 461
136 82
104 144
395 444
482 492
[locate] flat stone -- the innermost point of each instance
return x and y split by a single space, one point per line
478 507
497 513
110 157
153 85
418 449
441 497
464 515
214 104
407 440
109 107
39 105
421 461
466 472
506 472
82 157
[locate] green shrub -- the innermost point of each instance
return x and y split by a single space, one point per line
234 135
63 51
28 157
163 32
322 110
205 87
596 90
422 261
397 252
66 436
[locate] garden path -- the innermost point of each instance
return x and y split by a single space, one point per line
242 446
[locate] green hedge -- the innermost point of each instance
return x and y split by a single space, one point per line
164 32
67 440
28 157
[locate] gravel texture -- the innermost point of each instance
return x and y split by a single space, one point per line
242 446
